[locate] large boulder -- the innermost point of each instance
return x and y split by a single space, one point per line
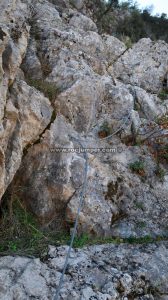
79 104
82 22
114 48
50 171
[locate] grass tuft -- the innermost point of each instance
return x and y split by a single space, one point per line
49 89
20 233
163 95
138 167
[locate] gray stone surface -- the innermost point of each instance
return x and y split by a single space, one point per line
144 65
107 272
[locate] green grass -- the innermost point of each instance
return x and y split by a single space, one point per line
49 89
105 128
163 95
21 234
141 224
160 173
137 167
116 240
139 205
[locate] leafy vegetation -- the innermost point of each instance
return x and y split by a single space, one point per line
163 154
104 130
163 121
21 234
139 205
127 20
49 89
141 224
138 167
163 95
116 240
160 173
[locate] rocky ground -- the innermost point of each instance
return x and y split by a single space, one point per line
107 272
59 80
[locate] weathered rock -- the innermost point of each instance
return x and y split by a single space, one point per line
114 48
145 65
49 165
27 114
149 105
82 22
79 104
104 272
31 64
78 3
99 88
99 83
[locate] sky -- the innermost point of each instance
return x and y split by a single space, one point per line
160 6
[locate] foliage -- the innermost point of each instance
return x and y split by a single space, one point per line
20 233
126 19
163 95
141 224
160 173
116 240
163 154
49 89
104 130
127 41
138 167
132 26
139 205
163 121
81 241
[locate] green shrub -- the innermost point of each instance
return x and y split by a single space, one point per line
49 89
104 130
160 173
141 224
21 233
138 167
139 205
125 18
163 95
81 241
127 41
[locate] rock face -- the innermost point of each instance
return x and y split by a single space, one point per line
109 272
59 80
24 112
145 65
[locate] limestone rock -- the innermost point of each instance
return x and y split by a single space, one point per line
145 65
79 103
82 22
31 64
103 272
27 114
99 88
49 166
114 48
78 3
